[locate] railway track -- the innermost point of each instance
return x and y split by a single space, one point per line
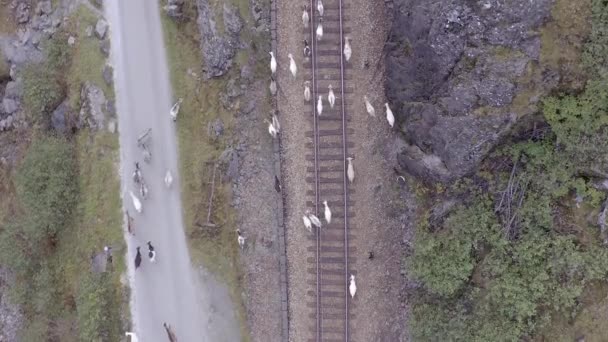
329 261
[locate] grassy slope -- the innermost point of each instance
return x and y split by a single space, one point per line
98 218
88 62
215 248
562 41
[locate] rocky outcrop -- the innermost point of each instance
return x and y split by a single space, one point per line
92 111
101 28
454 71
175 9
218 48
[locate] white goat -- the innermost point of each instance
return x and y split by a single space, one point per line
389 115
320 29
351 170
370 109
292 66
273 86
132 335
327 212
240 238
136 202
315 220
320 105
175 109
347 50
320 7
271 129
352 287
307 91
307 222
331 97
275 123
168 179
273 63
305 18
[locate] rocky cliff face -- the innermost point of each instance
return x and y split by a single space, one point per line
218 48
460 74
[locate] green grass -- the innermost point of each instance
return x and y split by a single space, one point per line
563 37
87 59
7 23
97 219
589 322
215 248
99 214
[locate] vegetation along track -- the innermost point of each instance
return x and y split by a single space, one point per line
329 248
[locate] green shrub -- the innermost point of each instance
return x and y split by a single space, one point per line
43 92
444 261
46 186
44 84
595 56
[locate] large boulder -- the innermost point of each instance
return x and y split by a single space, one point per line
101 28
175 9
59 117
92 110
454 69
14 89
218 49
44 7
22 12
9 106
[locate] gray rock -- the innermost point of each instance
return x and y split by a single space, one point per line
99 3
71 40
112 126
232 20
43 23
22 13
44 7
216 128
175 9
89 31
101 28
218 50
111 108
14 89
246 72
93 103
453 69
19 54
104 47
108 74
59 116
9 122
9 106
230 159
13 72
35 38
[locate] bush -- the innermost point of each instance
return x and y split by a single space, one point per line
98 317
44 84
43 92
46 186
595 56
444 261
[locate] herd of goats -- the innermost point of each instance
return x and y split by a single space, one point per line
274 128
139 181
